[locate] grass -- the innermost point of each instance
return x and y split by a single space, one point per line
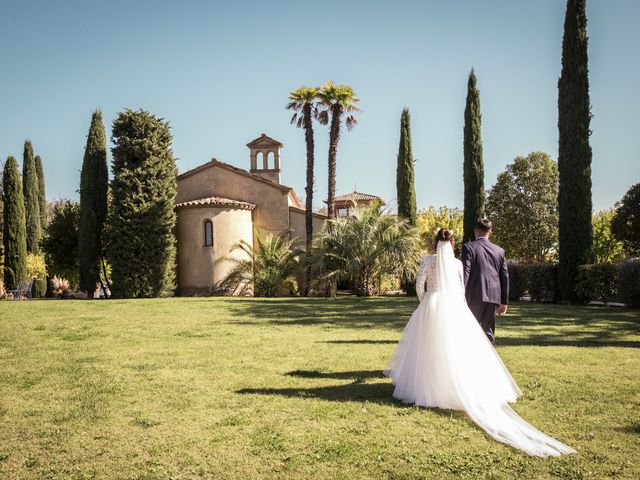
215 388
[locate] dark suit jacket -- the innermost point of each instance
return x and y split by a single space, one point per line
486 277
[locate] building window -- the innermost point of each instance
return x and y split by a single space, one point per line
343 212
208 233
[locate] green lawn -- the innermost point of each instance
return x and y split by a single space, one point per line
292 388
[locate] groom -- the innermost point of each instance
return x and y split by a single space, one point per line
486 278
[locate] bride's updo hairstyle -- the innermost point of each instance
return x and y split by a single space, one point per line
445 235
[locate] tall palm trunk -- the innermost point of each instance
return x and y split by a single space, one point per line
308 135
334 138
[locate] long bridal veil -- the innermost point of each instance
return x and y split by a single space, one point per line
445 360
491 413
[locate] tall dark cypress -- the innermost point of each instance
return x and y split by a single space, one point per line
1 230
94 182
42 195
141 240
31 199
574 152
14 230
405 184
473 164
405 179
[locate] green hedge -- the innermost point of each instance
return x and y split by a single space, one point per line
543 282
597 282
538 280
629 282
518 280
602 282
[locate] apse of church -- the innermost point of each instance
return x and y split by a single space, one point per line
219 205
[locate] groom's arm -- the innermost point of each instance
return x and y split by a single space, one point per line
466 263
504 281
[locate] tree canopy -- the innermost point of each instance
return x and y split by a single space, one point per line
625 224
523 206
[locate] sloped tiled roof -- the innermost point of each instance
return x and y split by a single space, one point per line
217 163
357 197
217 202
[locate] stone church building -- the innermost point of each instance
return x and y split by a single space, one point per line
218 205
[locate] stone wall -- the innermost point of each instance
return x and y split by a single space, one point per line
198 272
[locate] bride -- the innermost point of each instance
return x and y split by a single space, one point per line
445 360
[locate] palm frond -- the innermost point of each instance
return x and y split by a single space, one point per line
366 246
267 270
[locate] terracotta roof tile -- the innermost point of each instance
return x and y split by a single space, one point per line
357 197
217 202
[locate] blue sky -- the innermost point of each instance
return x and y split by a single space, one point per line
220 72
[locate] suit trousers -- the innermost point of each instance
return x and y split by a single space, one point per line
485 313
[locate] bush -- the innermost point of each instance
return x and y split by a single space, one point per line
38 288
59 286
37 271
60 243
543 282
518 280
629 282
35 266
596 282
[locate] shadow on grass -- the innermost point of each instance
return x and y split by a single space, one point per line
347 312
633 429
358 376
380 393
526 324
562 341
568 326
363 342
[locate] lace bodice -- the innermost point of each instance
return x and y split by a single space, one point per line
428 274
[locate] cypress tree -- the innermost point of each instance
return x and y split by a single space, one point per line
1 229
473 164
405 187
94 182
574 152
14 229
31 199
42 196
141 241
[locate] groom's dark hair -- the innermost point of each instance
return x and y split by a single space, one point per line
484 224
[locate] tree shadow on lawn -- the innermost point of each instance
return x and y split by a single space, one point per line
349 312
571 326
526 324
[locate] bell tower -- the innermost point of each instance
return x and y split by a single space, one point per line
265 157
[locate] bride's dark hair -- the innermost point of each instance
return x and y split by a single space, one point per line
445 235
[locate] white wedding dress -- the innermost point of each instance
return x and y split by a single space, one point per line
445 360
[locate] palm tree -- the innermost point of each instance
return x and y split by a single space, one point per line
303 103
337 100
365 247
268 270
